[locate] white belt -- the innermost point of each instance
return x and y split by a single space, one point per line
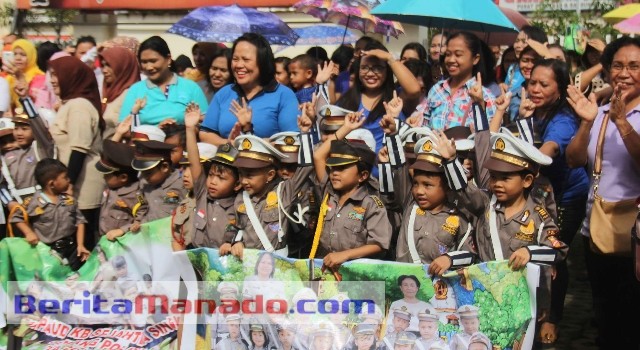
27 191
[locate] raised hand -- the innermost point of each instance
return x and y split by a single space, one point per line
242 111
304 123
83 253
586 108
476 91
618 105
414 121
169 121
540 48
383 155
22 88
236 130
192 115
597 44
393 108
503 101
388 124
381 54
309 108
354 120
527 107
325 72
138 105
446 147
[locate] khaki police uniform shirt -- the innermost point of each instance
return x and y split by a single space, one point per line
52 221
460 341
425 344
117 211
164 198
361 220
268 211
183 220
22 165
231 344
214 222
434 233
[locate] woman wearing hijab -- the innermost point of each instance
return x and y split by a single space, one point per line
77 131
120 70
46 97
24 68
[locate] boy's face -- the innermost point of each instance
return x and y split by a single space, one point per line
344 177
61 183
400 324
428 190
187 181
364 341
221 182
176 152
470 325
254 181
286 171
234 329
286 337
23 135
507 187
282 76
114 181
156 175
322 342
298 76
258 338
427 329
8 143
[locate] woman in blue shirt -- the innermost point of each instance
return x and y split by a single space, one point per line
556 124
274 106
166 94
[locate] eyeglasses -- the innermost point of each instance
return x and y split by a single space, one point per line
377 69
618 67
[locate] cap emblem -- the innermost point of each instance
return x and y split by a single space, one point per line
327 112
500 144
289 140
428 146
246 144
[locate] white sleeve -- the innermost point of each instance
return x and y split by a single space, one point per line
5 95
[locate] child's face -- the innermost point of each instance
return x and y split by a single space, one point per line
470 325
234 329
286 171
507 187
258 338
427 329
286 337
221 182
345 177
176 152
282 76
156 175
61 183
298 76
254 181
322 342
113 181
428 190
477 346
459 60
400 324
8 143
23 135
187 181
364 342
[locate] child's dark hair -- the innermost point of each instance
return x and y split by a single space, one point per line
220 168
177 129
319 54
306 62
284 61
418 48
442 176
47 170
132 174
420 69
342 57
535 33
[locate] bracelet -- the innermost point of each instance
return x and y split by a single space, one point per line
627 134
250 125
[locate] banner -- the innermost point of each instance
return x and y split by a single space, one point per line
135 293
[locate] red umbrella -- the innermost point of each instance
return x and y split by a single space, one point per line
505 38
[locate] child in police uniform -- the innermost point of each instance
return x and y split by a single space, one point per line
259 210
428 327
182 217
287 335
470 323
122 200
53 216
433 230
163 189
234 340
404 341
353 221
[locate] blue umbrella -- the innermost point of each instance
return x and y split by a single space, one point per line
226 23
476 15
324 35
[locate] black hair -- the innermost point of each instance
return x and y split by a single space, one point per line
266 338
561 76
264 56
342 56
306 61
284 61
504 69
404 277
365 41
319 54
489 60
86 39
558 46
442 176
350 100
171 130
132 174
45 51
182 63
607 55
147 277
157 44
220 168
47 170
420 68
418 48
535 33
475 45
226 53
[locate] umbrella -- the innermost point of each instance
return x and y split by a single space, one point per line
622 13
629 25
324 35
505 38
354 14
476 15
227 23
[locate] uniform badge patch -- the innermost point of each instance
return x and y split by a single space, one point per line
420 212
200 212
242 208
525 215
452 224
355 216
542 212
377 201
526 232
275 227
39 211
555 242
121 204
172 197
272 200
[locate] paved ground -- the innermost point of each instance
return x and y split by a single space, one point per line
576 331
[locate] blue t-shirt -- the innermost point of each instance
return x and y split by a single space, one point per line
305 94
568 184
275 109
514 78
376 130
163 104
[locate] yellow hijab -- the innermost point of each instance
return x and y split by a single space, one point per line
29 72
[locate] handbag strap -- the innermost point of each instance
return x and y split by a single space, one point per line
597 169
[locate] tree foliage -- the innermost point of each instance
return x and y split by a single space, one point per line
554 20
35 20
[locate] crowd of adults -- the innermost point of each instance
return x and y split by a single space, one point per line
86 94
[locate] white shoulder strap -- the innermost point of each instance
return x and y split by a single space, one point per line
493 228
11 186
465 237
257 226
419 345
410 239
35 150
301 211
